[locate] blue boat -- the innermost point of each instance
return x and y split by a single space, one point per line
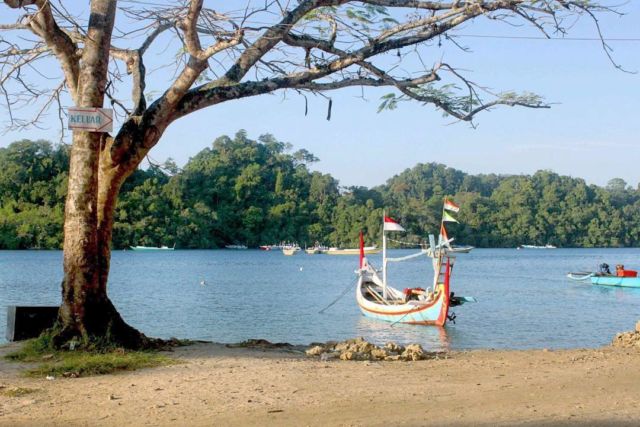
625 282
603 277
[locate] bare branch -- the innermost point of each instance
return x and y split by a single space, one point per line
272 37
17 26
44 25
15 4
161 27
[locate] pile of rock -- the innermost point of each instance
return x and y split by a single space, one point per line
628 339
360 349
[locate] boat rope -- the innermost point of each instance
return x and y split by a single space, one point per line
347 289
415 245
580 276
405 258
400 319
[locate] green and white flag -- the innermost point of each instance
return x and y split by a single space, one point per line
446 217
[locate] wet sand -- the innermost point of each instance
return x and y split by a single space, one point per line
216 385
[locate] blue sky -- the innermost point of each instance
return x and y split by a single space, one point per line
592 130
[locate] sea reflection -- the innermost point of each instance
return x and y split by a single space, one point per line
432 338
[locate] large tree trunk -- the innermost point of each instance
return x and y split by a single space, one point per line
86 313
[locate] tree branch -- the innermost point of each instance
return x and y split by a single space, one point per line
43 24
271 38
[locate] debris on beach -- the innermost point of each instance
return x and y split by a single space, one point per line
628 339
259 343
360 349
264 345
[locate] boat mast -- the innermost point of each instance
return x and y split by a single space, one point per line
439 248
434 253
440 236
384 259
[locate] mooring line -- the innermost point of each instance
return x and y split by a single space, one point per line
341 295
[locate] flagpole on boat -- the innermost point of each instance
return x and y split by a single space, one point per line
384 259
442 237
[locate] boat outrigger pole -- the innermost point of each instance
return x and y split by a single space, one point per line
384 259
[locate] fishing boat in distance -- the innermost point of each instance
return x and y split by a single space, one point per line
547 246
316 249
271 247
415 305
461 249
152 248
290 249
235 247
603 277
368 250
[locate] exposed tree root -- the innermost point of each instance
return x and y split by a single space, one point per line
101 327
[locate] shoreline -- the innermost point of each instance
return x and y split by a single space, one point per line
216 384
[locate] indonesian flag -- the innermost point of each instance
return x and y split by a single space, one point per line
391 225
443 235
450 206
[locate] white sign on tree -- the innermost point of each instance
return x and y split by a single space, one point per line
91 119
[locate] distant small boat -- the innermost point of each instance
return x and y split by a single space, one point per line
367 250
290 249
547 246
235 247
460 249
271 247
152 248
316 249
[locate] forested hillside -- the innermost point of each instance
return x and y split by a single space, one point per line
260 192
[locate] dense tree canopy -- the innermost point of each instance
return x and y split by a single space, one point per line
257 192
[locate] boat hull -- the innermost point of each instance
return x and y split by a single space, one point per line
367 251
623 282
149 248
432 313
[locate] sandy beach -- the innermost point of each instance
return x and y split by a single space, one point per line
217 385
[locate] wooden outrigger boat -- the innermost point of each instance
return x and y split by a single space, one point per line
152 248
368 250
317 248
547 246
418 306
290 249
622 278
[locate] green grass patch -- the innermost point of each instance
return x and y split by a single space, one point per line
33 350
17 391
82 363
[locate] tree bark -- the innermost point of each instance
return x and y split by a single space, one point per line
86 313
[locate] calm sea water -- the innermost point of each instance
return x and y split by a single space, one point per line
524 298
